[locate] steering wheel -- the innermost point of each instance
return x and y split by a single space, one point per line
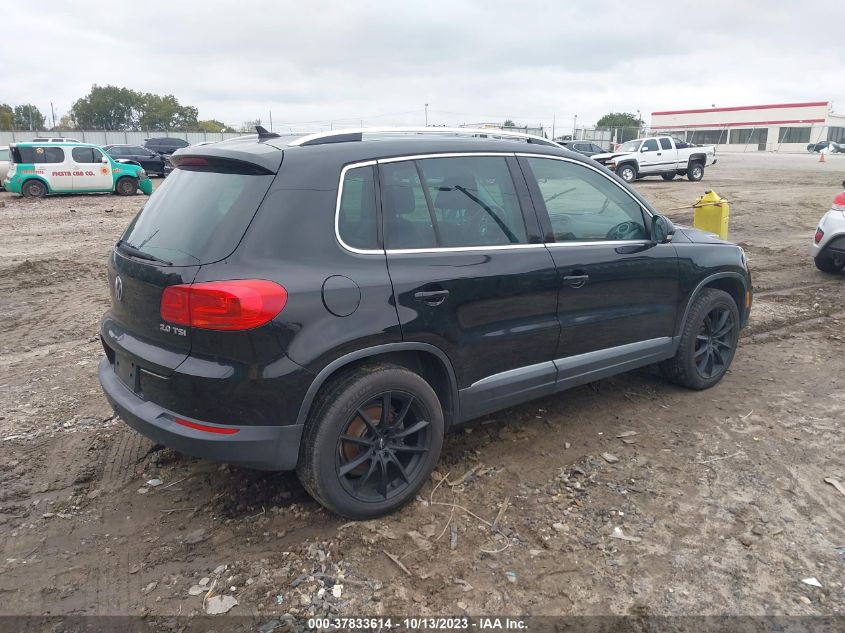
625 231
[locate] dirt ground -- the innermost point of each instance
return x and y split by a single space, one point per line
721 493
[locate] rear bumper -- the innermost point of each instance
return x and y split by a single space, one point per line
260 447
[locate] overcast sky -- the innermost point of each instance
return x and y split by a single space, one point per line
314 62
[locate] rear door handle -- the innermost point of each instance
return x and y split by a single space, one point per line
576 281
432 297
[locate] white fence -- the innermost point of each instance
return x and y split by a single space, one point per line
102 137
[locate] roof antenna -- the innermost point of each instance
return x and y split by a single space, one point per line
263 133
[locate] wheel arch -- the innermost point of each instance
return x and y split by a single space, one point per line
39 178
697 158
428 361
730 282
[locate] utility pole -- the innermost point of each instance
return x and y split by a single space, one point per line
574 126
271 120
553 127
53 114
426 115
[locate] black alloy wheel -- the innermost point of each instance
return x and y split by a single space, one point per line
714 344
708 341
380 450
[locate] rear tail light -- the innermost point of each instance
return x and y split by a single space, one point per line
239 304
819 235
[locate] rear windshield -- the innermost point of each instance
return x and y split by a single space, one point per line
197 217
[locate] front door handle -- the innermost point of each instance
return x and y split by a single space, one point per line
576 281
432 297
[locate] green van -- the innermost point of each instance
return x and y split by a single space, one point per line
37 169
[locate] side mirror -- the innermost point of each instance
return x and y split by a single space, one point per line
644 149
662 229
104 159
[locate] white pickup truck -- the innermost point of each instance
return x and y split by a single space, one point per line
658 156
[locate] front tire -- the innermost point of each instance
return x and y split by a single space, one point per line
708 341
33 189
695 172
828 264
627 172
126 186
372 440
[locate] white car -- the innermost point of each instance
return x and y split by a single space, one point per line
53 139
4 163
829 242
664 156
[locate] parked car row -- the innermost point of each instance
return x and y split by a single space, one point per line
48 165
830 146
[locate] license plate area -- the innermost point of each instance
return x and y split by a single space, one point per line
127 372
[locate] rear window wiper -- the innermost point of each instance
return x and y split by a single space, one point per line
127 248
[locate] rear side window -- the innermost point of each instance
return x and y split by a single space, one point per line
584 206
357 219
86 155
39 155
665 143
454 202
197 216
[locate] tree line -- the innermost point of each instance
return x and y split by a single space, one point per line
115 109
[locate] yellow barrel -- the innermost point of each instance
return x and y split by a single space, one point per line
712 214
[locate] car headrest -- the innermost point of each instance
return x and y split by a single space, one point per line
400 198
449 197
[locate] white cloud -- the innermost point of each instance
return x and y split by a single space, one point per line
380 62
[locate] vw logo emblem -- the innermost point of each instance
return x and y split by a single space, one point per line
118 288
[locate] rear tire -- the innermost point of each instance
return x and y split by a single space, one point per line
33 189
828 264
126 186
383 462
695 172
668 176
627 172
708 341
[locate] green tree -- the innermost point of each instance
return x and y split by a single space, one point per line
108 108
28 117
66 123
7 117
508 123
213 125
629 125
249 126
166 113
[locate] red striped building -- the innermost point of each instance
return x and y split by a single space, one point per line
770 127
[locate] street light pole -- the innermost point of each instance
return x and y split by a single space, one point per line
426 115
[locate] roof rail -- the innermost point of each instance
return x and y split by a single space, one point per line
356 134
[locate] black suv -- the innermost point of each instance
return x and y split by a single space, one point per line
151 162
334 303
165 144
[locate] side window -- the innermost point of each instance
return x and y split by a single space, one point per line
39 155
86 155
4 154
407 219
584 206
598 149
474 201
357 220
459 202
679 143
650 145
665 143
